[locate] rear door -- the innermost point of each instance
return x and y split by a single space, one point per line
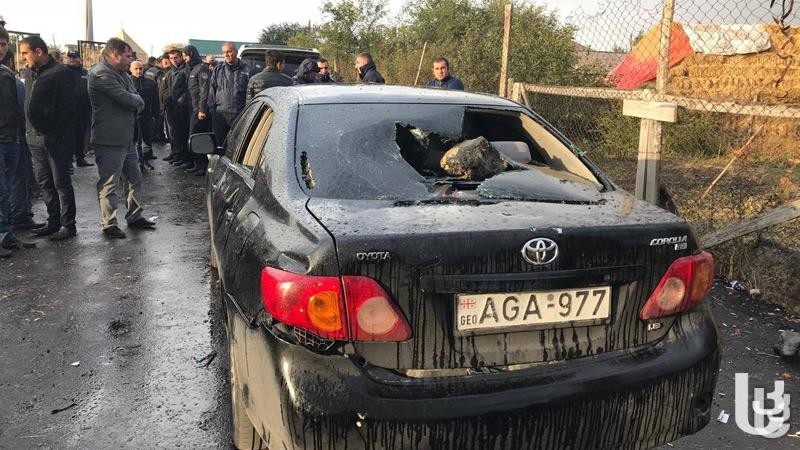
224 192
243 211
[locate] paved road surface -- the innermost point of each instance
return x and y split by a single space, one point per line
140 315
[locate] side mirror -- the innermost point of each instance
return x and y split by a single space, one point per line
203 144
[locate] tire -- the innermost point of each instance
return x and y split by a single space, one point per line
244 435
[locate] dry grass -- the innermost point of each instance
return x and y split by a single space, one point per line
769 260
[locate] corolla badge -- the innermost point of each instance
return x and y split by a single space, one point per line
540 251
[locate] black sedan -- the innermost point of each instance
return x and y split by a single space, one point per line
415 268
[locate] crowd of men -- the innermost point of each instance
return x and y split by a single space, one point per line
126 106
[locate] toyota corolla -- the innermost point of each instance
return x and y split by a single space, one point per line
416 268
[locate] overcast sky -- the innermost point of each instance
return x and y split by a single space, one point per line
153 23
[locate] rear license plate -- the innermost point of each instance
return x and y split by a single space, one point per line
476 312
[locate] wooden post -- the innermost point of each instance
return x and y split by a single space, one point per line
651 131
506 50
516 92
419 68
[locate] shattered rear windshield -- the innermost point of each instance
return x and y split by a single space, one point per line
427 152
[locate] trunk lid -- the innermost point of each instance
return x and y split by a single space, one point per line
425 253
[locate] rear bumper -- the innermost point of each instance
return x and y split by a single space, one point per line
635 399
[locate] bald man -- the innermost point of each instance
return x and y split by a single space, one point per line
227 90
145 121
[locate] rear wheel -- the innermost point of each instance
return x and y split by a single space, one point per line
244 435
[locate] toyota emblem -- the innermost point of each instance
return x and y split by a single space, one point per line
540 251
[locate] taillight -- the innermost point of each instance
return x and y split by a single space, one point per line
314 304
373 315
683 286
317 304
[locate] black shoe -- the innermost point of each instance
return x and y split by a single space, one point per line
114 232
168 158
187 165
142 223
148 166
83 163
177 162
46 230
63 233
191 168
18 243
27 226
149 156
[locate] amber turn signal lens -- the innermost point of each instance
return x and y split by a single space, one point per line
323 311
703 278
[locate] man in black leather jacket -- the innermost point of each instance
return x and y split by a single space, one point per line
271 76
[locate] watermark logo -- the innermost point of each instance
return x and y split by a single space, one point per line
768 422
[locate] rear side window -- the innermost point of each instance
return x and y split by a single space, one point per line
253 147
241 127
435 152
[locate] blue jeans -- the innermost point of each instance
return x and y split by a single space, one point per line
20 188
9 153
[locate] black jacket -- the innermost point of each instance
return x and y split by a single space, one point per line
267 78
327 78
80 77
369 74
11 118
154 74
163 88
149 93
50 99
197 80
177 81
227 87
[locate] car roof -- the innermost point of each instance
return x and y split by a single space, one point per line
324 94
283 48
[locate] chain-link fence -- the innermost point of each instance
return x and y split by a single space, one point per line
734 74
90 52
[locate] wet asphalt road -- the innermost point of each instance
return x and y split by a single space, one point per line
140 314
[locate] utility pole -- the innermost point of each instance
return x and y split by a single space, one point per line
89 21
